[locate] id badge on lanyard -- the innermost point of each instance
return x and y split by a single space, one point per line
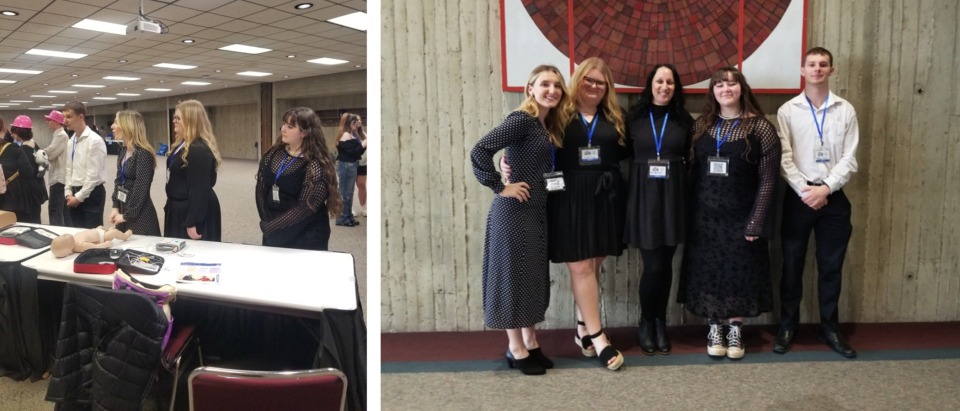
554 181
590 155
658 169
822 155
122 194
717 166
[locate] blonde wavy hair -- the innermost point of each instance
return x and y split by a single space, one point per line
195 125
609 105
556 119
134 130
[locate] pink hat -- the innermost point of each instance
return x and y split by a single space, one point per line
22 121
55 116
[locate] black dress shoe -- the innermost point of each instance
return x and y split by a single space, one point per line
663 342
528 366
645 337
784 339
836 342
537 355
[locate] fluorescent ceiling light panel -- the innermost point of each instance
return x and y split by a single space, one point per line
11 104
195 83
121 78
174 66
356 21
104 98
254 73
128 94
18 71
240 48
157 89
20 101
88 85
53 53
7 81
327 61
41 96
61 91
101 26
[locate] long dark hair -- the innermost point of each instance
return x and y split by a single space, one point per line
676 108
314 148
749 106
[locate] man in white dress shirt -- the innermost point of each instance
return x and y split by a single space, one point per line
86 158
819 135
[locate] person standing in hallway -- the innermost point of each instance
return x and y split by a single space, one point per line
296 190
132 207
84 192
35 191
659 127
57 154
351 145
362 185
516 274
192 210
819 135
734 172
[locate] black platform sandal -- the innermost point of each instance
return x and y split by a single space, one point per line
528 366
586 347
607 354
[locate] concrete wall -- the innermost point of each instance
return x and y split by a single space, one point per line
898 62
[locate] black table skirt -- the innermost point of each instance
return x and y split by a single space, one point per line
30 318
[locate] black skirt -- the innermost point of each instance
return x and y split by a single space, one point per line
175 213
586 220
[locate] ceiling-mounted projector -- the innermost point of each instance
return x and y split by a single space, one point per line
143 25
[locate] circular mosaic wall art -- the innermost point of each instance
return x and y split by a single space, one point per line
697 36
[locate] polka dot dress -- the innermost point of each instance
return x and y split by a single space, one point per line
516 275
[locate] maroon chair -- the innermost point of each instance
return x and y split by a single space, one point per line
214 389
182 348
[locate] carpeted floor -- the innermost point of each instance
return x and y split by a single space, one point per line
912 366
235 182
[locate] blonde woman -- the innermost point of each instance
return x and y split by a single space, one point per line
516 275
132 207
192 210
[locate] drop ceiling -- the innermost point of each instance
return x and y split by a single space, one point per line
211 24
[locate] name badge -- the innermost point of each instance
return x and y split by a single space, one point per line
822 155
589 156
658 169
554 181
717 166
122 194
275 194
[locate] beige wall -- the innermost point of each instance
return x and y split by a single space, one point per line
439 96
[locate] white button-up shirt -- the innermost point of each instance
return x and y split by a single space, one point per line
800 142
86 161
57 153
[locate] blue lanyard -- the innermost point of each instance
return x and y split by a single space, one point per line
170 159
74 152
553 155
823 116
123 164
282 167
727 134
592 125
659 140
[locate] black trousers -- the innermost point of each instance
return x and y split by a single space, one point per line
832 228
56 206
655 282
89 214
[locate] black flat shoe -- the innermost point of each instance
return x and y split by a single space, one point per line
645 337
663 342
528 366
354 223
784 340
347 224
537 355
836 342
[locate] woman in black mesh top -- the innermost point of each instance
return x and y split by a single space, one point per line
296 185
132 207
351 145
735 168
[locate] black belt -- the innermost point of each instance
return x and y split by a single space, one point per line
811 183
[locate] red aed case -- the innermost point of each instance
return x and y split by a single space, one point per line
97 261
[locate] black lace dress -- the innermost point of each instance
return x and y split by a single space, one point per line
723 274
300 219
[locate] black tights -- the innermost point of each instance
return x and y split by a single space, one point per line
655 282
